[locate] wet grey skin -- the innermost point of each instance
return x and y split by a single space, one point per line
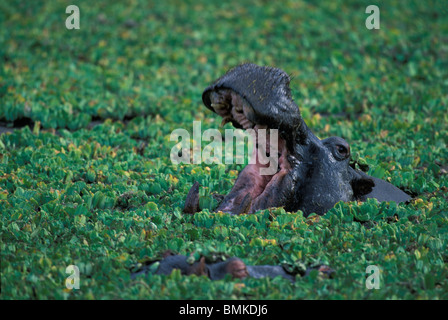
313 174
218 270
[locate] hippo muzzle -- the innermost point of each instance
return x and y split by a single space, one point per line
312 175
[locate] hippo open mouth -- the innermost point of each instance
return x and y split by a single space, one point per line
269 151
309 174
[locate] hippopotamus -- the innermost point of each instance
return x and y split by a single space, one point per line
219 269
312 174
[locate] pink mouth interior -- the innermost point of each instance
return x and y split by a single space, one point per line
233 108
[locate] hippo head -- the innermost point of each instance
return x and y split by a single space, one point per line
312 175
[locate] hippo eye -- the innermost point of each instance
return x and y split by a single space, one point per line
342 150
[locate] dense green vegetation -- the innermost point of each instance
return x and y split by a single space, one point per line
107 198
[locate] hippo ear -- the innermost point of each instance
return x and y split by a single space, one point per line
362 185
